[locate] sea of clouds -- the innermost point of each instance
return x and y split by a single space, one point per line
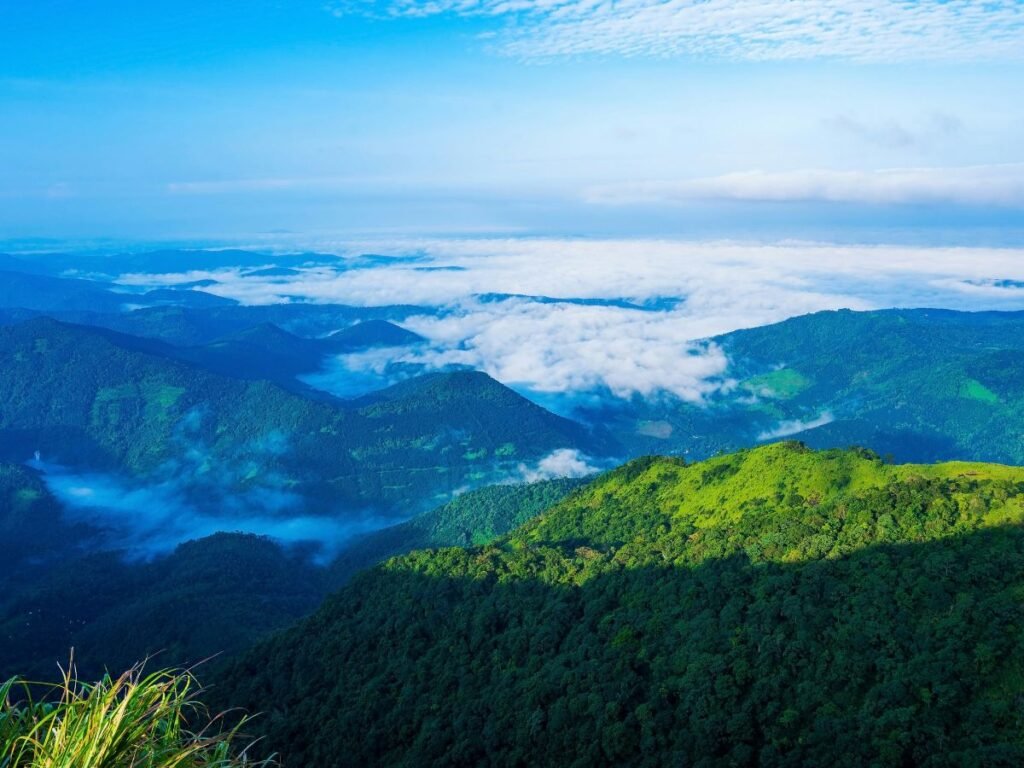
637 314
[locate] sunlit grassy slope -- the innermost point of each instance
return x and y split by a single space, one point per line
774 607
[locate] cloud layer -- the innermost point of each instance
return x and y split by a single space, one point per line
676 294
151 520
859 30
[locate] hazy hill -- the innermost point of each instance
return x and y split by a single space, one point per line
46 293
773 607
87 397
194 326
923 385
268 352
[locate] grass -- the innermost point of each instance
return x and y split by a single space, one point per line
783 384
137 720
975 390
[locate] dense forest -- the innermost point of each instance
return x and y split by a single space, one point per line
211 597
923 385
92 398
778 606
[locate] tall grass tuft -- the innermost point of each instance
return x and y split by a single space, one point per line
137 720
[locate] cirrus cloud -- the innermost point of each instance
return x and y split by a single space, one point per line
858 30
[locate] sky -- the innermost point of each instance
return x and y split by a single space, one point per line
834 120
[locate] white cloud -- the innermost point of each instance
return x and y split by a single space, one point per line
564 462
859 30
795 426
1001 185
573 348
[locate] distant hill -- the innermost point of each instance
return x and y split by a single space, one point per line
45 293
183 297
772 607
923 385
193 326
268 352
90 398
273 272
173 260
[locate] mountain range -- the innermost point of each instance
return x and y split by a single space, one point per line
173 482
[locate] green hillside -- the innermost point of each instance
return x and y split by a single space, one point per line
774 607
473 518
217 595
89 398
211 596
923 385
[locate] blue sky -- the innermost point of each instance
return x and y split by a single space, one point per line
873 120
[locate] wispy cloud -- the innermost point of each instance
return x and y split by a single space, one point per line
796 426
1000 185
151 520
859 30
564 462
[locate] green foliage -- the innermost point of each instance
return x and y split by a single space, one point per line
776 607
922 385
89 397
213 596
784 383
472 519
134 720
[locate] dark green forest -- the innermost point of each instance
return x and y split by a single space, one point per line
212 597
923 385
91 398
773 607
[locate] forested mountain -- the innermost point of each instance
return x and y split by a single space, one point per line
273 354
777 606
189 324
86 397
922 385
214 596
474 518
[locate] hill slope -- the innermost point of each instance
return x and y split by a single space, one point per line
93 399
772 607
923 385
474 518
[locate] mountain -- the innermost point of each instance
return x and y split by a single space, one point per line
777 606
922 385
96 400
272 353
173 261
471 519
211 596
45 293
186 297
194 326
273 272
32 531
370 333
9 263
